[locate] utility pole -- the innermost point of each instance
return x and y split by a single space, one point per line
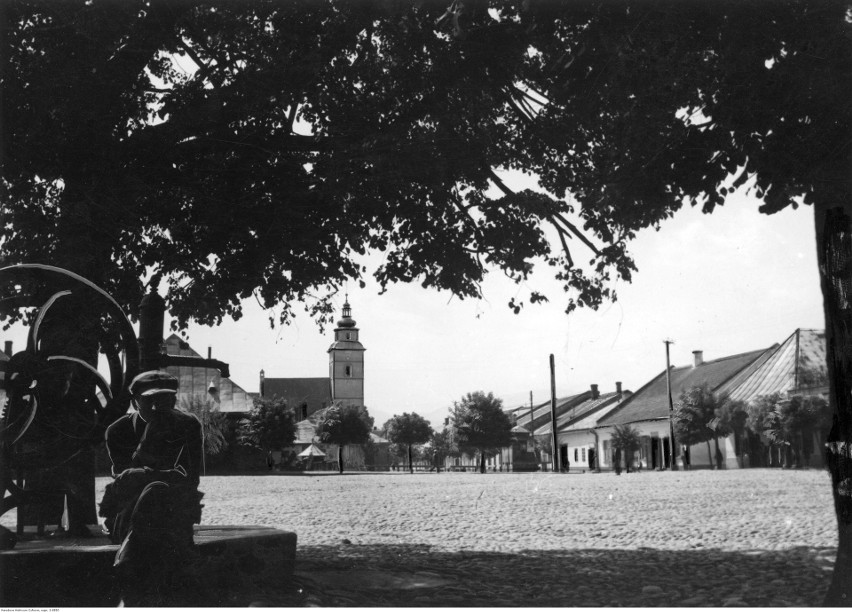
553 441
532 430
672 445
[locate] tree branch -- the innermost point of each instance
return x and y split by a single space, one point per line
561 233
499 182
576 232
291 117
203 68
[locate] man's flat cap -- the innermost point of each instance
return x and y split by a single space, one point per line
153 381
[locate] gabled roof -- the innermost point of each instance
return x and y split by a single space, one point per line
800 362
587 414
541 413
196 381
296 390
651 401
377 439
305 432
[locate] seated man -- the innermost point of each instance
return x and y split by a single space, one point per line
152 504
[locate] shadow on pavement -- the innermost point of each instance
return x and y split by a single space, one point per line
410 576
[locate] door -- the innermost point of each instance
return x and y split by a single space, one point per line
564 464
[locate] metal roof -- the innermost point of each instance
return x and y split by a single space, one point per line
798 363
196 381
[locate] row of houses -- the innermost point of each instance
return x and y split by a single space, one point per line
585 422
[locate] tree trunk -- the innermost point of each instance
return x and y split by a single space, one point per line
834 252
709 454
340 457
482 463
718 454
410 463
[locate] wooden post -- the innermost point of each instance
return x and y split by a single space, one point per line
555 447
672 445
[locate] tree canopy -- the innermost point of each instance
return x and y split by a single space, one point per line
342 425
626 439
239 149
270 425
479 425
409 429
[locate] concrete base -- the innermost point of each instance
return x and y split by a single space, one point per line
74 572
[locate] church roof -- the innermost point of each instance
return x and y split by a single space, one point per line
309 390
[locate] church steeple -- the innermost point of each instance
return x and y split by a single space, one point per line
346 361
347 320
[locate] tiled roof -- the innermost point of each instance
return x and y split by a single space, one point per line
195 381
651 401
541 413
588 413
798 363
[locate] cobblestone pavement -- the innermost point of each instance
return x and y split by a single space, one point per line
701 538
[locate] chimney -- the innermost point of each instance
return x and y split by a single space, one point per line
209 352
699 358
618 388
261 383
8 350
595 393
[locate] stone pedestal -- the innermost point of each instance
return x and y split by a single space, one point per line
233 562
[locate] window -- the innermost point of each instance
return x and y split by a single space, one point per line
575 455
348 336
348 371
583 454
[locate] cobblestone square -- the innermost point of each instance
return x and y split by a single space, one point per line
720 538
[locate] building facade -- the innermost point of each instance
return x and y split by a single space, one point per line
648 410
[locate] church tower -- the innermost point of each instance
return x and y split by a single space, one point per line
346 362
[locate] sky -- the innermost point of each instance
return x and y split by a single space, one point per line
725 283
